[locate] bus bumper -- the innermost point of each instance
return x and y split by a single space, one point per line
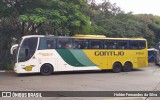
20 68
16 68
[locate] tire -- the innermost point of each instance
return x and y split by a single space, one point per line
127 67
117 67
46 69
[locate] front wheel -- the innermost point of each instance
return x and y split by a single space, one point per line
46 69
117 67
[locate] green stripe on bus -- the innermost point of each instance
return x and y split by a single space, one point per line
82 57
68 57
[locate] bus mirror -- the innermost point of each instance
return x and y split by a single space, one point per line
13 48
159 48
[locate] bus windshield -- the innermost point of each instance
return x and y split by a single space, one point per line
27 49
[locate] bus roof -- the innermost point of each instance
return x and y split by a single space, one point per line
90 36
104 37
84 37
28 36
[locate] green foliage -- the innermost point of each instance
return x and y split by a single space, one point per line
63 17
113 22
58 14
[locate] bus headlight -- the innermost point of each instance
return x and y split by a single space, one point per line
29 68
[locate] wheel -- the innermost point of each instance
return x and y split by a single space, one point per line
46 69
127 67
117 67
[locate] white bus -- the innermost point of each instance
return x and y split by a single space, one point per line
47 54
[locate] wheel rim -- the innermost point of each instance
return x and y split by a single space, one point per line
117 68
46 69
127 67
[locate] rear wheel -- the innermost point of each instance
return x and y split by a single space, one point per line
46 69
127 67
117 67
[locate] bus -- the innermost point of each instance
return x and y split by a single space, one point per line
151 54
48 54
157 54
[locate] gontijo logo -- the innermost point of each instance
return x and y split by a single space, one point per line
109 53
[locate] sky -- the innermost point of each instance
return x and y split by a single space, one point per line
138 6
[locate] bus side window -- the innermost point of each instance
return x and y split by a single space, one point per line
122 45
77 45
142 44
50 44
81 44
64 43
133 44
68 46
96 44
47 43
110 44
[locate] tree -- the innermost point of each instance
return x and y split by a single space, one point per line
54 16
26 17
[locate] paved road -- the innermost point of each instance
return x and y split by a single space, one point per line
145 79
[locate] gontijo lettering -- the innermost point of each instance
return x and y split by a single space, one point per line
109 53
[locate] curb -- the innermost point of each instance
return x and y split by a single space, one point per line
2 71
6 71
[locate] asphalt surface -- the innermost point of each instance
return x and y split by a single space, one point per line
144 79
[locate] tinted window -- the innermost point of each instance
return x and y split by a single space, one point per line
122 45
134 45
137 44
142 44
81 44
47 43
64 43
27 49
96 44
110 44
